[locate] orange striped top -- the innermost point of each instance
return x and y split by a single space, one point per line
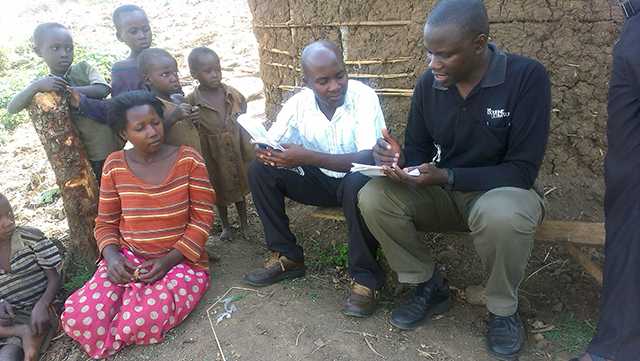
151 220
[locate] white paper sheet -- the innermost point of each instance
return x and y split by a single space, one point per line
375 171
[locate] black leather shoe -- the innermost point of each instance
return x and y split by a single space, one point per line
276 269
430 298
505 336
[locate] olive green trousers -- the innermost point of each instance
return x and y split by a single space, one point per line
502 223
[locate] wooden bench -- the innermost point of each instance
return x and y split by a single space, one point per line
572 234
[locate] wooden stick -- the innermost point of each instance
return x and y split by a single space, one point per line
585 261
408 95
349 23
396 90
289 87
377 61
278 65
381 91
582 233
277 51
587 233
215 335
380 76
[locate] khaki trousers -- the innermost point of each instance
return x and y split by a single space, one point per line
501 221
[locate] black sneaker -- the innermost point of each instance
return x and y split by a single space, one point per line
430 298
505 336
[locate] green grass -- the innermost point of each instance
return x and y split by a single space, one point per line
571 334
77 272
329 255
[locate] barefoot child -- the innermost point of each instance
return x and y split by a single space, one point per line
160 73
26 258
225 145
53 43
133 29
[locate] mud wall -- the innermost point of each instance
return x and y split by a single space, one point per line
382 45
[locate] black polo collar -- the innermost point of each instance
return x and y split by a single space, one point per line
496 72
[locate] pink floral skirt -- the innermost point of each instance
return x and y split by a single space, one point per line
105 317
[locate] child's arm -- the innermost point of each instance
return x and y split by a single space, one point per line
183 111
47 84
40 320
13 330
95 91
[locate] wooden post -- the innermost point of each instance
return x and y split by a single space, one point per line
52 120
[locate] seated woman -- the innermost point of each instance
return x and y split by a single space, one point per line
154 215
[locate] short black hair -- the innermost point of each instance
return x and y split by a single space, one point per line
198 52
147 55
124 9
469 15
42 29
125 101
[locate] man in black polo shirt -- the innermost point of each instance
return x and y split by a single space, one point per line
476 132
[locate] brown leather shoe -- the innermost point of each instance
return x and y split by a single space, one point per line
361 301
276 269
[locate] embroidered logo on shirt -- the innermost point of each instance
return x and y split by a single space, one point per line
497 113
438 155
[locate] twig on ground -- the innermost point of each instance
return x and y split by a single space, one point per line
215 335
61 335
546 257
550 190
541 268
319 347
543 329
424 353
299 334
366 340
363 334
371 347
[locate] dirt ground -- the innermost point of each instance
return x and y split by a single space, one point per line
297 320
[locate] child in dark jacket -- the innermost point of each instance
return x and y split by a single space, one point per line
133 29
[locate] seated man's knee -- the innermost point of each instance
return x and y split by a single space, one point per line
499 212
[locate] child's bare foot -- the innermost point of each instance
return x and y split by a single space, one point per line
226 234
29 343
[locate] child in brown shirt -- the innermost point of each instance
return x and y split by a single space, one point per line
225 145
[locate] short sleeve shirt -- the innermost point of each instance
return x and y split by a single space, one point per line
355 126
31 254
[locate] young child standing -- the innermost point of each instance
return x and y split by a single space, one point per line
160 73
133 29
225 145
53 43
27 321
